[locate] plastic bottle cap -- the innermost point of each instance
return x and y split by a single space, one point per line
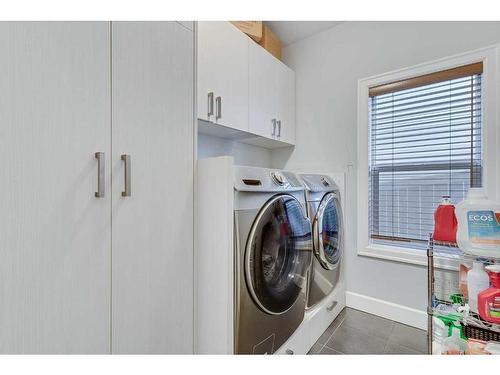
493 268
477 264
476 193
445 200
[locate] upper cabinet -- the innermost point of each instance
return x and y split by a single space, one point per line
271 96
244 87
263 88
286 103
223 74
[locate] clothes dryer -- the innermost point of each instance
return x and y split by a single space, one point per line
324 209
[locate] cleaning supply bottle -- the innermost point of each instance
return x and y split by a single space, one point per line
440 332
454 344
477 281
488 301
478 231
445 222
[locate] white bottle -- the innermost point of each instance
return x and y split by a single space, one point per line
477 281
454 344
478 231
440 332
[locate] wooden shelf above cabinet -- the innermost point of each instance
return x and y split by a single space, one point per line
221 131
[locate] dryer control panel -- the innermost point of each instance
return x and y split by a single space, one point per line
318 182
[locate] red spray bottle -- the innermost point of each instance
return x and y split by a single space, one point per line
488 301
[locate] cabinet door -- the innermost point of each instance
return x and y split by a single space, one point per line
152 253
263 85
223 71
286 102
54 233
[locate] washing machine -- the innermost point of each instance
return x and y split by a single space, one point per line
324 209
273 254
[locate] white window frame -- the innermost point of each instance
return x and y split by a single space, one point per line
491 144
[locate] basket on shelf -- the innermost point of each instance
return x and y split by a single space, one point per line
478 333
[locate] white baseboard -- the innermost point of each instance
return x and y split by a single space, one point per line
399 313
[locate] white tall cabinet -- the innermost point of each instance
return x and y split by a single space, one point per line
81 273
153 227
55 235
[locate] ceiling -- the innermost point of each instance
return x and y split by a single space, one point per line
292 31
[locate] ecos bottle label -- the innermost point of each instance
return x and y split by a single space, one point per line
484 227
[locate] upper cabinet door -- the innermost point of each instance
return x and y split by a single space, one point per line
263 91
286 103
55 234
223 74
153 225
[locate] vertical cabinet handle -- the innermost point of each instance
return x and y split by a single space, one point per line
279 128
127 192
210 105
218 107
273 131
100 174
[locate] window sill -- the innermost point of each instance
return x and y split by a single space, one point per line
404 255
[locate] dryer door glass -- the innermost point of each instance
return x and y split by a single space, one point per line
278 254
328 231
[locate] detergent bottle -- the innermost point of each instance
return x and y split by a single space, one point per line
445 222
478 230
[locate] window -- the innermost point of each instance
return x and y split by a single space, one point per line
425 141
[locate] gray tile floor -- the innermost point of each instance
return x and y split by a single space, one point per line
357 332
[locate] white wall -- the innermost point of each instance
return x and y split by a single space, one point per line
210 146
328 66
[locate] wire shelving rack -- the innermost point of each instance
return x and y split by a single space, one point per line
450 251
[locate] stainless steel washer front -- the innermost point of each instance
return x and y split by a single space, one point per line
272 261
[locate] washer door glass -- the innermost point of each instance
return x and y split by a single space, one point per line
328 232
278 254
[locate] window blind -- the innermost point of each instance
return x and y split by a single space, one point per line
425 142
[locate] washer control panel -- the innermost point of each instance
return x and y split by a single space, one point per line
278 178
265 180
